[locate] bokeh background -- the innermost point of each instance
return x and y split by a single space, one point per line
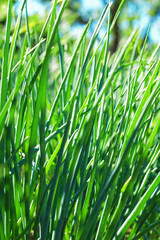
141 13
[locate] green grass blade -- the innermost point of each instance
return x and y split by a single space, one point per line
138 209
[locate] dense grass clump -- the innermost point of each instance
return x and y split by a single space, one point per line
79 135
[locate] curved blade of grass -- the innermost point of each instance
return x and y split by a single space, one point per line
85 61
129 185
116 15
110 78
139 207
14 40
85 206
89 126
135 124
45 25
52 20
15 90
4 111
54 181
25 55
66 75
4 84
147 229
144 99
40 106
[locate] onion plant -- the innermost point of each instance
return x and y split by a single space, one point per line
79 133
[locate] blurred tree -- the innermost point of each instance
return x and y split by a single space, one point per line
115 32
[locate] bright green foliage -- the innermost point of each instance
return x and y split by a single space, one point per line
79 135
